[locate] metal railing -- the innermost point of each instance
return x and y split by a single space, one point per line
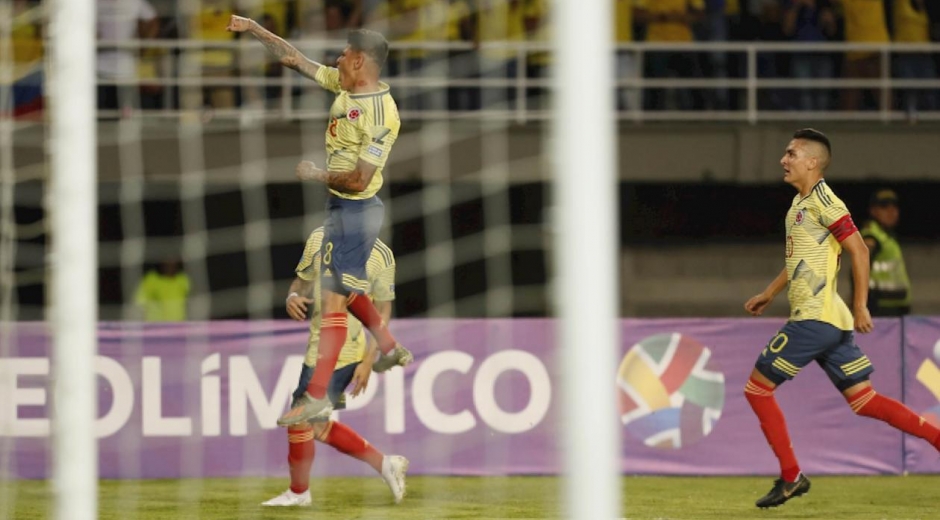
182 71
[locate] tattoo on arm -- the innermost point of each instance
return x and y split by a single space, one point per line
346 182
286 53
354 181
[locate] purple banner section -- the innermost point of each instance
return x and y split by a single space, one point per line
201 399
826 435
922 388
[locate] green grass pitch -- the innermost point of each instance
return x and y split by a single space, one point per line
855 498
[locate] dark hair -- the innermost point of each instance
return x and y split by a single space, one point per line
811 134
369 42
884 197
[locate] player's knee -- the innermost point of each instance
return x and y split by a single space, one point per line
858 394
748 390
298 428
758 388
771 375
855 387
752 394
321 429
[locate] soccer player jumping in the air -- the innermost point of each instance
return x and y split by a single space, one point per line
363 127
355 366
820 327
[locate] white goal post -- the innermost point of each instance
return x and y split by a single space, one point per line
584 162
72 300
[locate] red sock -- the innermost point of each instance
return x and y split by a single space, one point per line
300 456
871 404
332 338
774 426
364 310
347 441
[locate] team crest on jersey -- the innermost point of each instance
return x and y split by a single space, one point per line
799 216
353 113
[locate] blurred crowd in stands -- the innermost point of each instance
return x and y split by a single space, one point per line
477 22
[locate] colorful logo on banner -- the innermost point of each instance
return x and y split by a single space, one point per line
929 375
669 390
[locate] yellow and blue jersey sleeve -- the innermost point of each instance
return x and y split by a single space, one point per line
383 289
829 215
382 275
830 207
306 270
378 130
328 78
833 213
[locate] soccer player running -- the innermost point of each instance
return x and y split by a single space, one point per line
354 366
821 326
363 127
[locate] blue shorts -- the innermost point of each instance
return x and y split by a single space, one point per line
350 232
800 342
335 391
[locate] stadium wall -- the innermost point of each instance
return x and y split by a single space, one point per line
200 399
688 249
730 152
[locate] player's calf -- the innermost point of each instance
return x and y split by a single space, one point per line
364 310
869 403
300 454
772 422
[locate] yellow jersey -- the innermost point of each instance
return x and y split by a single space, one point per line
623 20
391 17
380 271
538 10
864 22
277 10
669 31
910 25
27 41
210 23
362 127
732 7
163 298
816 226
500 20
457 12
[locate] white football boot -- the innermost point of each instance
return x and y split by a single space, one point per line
394 468
397 357
289 498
